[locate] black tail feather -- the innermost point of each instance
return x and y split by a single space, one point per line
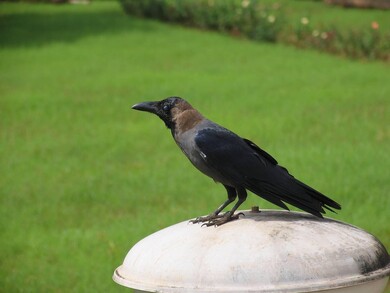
295 193
327 202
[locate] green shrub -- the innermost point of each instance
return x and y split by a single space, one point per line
365 43
362 43
247 18
264 22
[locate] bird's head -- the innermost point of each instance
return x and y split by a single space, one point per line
168 109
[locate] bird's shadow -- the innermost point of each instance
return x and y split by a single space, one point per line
286 216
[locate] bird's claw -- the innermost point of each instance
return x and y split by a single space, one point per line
222 220
206 218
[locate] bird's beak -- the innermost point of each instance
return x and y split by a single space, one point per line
147 107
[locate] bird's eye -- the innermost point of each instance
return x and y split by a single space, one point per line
166 108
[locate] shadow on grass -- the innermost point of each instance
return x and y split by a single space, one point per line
56 24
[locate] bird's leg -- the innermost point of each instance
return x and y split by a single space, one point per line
215 215
229 216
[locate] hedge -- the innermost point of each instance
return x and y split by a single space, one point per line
261 22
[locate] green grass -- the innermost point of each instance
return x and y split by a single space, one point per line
83 177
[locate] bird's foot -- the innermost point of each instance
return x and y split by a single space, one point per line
227 217
208 218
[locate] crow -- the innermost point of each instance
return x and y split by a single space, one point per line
235 162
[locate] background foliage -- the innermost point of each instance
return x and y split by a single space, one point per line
83 177
272 21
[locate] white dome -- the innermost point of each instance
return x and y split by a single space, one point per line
267 251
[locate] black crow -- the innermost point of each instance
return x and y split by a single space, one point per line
236 162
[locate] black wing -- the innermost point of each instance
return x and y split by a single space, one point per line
242 163
261 152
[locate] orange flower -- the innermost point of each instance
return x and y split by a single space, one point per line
374 25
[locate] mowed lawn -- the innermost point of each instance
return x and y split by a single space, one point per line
84 177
